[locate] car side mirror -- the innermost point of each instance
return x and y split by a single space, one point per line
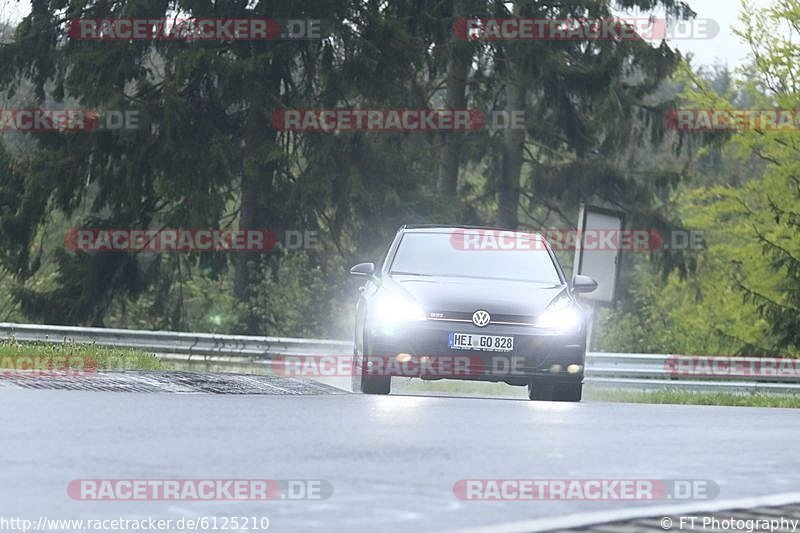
363 269
583 284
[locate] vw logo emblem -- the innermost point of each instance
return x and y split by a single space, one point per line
481 318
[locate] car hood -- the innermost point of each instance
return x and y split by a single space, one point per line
466 295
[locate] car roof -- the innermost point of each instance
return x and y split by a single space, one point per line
439 228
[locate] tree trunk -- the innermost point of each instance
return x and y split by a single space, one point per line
459 57
246 264
256 184
513 141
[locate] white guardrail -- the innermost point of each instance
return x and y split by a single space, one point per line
607 370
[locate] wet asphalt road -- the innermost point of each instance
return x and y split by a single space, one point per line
392 461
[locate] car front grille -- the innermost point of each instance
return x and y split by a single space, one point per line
504 320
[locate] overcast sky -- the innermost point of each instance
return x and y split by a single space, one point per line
726 47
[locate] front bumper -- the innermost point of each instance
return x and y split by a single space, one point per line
424 346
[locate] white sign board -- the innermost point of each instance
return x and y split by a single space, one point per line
597 250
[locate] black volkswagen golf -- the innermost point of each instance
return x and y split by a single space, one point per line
470 303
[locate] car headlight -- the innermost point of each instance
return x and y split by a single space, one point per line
561 317
397 308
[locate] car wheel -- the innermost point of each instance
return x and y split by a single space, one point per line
549 391
363 382
376 384
567 392
541 391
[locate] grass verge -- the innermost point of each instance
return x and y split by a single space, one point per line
692 398
592 394
86 355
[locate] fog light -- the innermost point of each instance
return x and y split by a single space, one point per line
403 357
574 369
555 369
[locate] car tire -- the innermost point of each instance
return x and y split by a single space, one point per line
567 392
376 384
363 382
548 391
540 391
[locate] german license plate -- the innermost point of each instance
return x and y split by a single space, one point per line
487 343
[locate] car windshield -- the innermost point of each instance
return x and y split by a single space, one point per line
510 257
